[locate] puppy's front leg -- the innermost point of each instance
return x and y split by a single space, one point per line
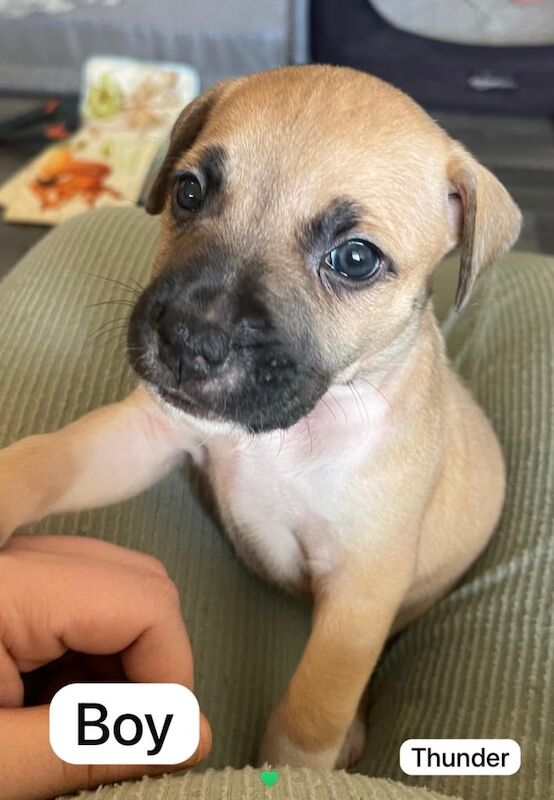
106 456
352 619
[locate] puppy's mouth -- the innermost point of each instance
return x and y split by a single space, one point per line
256 388
180 400
254 407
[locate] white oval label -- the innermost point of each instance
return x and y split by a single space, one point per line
124 723
460 757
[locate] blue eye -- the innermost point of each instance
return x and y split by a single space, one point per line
355 259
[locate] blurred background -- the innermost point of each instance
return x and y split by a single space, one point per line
483 68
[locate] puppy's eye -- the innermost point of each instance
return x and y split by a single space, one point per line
189 194
355 259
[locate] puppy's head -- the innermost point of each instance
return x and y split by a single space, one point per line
304 211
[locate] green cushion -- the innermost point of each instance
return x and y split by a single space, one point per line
479 664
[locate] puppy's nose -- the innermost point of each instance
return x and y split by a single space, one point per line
190 347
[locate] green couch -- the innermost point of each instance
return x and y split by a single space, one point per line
479 665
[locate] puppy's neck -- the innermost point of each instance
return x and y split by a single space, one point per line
382 396
411 365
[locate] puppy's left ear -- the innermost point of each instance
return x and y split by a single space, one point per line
484 220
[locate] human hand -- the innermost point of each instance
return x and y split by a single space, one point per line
63 595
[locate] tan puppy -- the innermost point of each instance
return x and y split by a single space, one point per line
304 211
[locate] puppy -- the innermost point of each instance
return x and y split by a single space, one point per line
287 343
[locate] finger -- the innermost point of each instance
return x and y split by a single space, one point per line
83 547
116 610
162 652
24 740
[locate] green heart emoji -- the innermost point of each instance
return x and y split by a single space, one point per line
269 777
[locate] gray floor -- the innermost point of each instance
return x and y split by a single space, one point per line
520 150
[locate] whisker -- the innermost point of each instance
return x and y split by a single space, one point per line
109 322
282 434
139 285
124 357
340 406
250 436
355 389
375 388
122 302
114 281
119 329
357 401
307 423
329 409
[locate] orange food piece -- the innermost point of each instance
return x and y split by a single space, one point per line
63 177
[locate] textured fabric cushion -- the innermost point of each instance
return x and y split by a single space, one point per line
479 664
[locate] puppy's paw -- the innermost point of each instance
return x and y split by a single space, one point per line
353 745
278 749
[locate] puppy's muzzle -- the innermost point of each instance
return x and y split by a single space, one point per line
214 350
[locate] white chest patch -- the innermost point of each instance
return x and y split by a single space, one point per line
286 497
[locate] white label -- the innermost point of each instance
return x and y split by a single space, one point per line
460 757
124 723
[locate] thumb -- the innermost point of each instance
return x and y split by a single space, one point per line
24 740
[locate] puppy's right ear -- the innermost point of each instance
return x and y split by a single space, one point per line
187 127
484 219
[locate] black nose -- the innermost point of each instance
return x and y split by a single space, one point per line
190 347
